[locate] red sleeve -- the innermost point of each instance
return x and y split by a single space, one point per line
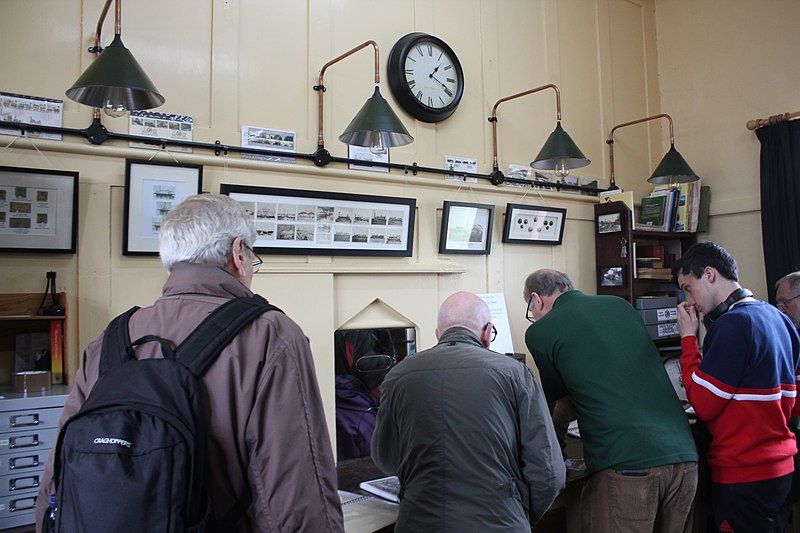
707 395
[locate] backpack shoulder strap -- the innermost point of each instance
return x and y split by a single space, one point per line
116 341
218 329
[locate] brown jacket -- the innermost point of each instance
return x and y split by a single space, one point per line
265 412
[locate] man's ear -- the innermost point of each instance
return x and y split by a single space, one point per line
237 258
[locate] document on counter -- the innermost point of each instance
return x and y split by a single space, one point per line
385 487
364 513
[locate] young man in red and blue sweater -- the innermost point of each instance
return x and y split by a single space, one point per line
744 386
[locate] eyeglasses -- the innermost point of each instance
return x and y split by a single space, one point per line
493 334
528 314
375 363
257 261
781 304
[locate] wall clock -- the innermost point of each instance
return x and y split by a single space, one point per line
425 77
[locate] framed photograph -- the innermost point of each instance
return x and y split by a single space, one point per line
609 223
38 210
529 224
362 153
611 276
466 228
152 189
298 222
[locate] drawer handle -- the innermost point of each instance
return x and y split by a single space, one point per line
19 421
25 441
28 461
23 504
22 483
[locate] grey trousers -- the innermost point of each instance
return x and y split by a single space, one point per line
657 499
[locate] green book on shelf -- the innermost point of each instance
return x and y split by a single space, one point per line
652 209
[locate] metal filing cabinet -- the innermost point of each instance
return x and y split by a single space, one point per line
28 428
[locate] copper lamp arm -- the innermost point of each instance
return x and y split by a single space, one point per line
493 118
320 88
610 140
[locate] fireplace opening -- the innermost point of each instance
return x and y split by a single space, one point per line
363 357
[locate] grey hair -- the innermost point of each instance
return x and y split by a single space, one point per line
466 310
546 282
793 279
201 230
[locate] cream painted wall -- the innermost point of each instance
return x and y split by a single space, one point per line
230 63
722 63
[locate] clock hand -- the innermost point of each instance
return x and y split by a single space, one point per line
446 90
434 72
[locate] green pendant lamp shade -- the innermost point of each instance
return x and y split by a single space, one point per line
115 81
673 169
559 152
376 125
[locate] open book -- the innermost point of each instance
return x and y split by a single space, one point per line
364 513
385 487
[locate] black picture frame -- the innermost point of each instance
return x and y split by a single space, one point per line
466 228
530 224
38 210
613 276
609 223
304 222
152 189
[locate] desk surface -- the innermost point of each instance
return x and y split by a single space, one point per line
353 471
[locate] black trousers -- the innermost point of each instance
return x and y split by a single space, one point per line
750 507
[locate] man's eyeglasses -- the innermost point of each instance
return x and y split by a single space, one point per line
493 334
781 304
528 314
257 261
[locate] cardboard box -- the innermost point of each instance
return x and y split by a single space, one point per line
657 316
667 330
31 381
654 302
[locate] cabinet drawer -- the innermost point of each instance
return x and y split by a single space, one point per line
17 509
22 443
30 461
24 419
20 483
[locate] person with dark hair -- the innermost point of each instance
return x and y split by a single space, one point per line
743 386
467 431
363 357
598 364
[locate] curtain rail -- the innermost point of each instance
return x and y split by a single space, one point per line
774 119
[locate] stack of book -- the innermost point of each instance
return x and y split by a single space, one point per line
671 208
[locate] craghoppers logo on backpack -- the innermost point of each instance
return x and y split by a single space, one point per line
112 440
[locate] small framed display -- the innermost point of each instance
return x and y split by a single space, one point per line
293 221
609 223
466 228
38 210
152 189
529 224
611 276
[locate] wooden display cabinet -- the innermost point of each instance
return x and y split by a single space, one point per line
19 314
617 245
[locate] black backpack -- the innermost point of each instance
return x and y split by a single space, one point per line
133 457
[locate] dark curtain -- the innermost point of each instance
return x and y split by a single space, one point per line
780 199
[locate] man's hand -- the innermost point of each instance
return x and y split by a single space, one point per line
687 320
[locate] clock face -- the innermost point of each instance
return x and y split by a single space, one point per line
430 75
425 77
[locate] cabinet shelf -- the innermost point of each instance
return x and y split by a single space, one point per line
616 246
20 319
